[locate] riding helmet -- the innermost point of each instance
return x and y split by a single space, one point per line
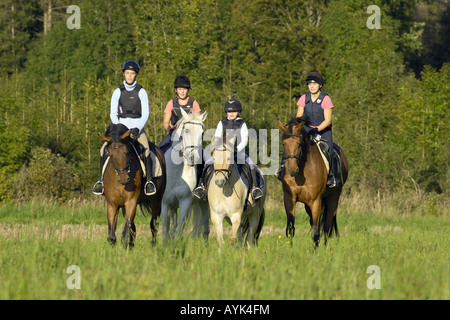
314 76
131 65
233 105
182 81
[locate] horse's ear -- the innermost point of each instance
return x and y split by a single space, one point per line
104 138
125 135
204 115
183 113
281 125
299 126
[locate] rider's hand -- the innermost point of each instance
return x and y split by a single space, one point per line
135 133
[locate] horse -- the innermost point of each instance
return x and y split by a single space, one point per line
181 158
305 181
227 198
124 187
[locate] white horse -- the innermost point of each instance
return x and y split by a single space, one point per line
186 151
227 197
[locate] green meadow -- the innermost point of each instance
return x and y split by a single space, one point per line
40 242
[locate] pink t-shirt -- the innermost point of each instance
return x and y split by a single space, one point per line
326 103
195 107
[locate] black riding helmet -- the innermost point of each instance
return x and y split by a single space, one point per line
182 81
233 105
131 65
314 76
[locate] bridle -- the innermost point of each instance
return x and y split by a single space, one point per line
300 155
183 151
123 170
226 172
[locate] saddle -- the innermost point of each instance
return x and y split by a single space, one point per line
246 179
332 161
140 151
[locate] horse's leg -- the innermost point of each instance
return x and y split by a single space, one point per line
196 216
185 212
204 220
289 207
112 212
165 220
330 222
129 229
316 208
253 222
217 222
156 211
236 229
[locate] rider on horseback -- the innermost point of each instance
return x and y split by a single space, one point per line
129 106
316 107
232 122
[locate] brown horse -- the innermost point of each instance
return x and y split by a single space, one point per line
305 180
123 185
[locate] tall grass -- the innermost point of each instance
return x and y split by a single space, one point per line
39 242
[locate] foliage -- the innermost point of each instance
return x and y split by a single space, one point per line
47 176
57 82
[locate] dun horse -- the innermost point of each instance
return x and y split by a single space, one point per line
123 185
227 197
305 181
181 158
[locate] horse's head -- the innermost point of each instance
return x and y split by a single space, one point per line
117 140
223 155
190 133
293 139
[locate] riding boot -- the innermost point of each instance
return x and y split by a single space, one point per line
97 189
334 162
201 191
149 188
256 192
280 171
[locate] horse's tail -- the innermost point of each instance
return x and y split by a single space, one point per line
145 208
246 225
260 224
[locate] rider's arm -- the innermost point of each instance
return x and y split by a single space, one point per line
113 114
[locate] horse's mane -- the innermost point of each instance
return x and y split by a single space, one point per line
292 123
115 131
188 118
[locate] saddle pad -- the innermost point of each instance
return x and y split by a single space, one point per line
261 182
157 168
320 145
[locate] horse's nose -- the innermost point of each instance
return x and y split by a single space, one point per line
293 172
219 182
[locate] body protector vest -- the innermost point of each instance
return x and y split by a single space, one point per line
176 111
235 125
129 102
313 110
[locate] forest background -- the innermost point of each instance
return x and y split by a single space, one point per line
389 85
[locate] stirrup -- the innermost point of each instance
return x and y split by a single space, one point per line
97 189
200 193
258 192
151 186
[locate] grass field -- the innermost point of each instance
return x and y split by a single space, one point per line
39 243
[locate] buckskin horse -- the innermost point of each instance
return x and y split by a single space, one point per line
124 187
227 198
305 180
